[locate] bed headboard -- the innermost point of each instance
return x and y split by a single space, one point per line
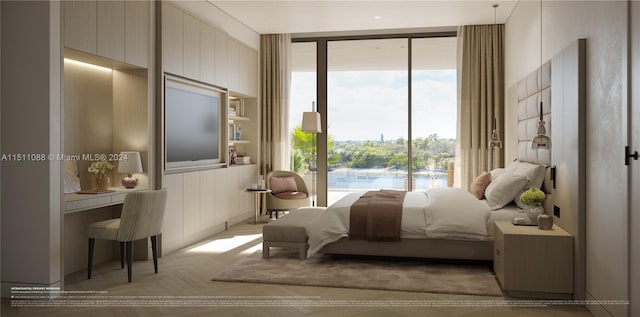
529 96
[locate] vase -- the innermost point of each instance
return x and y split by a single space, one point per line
533 211
102 183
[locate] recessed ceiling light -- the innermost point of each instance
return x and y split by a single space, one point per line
377 17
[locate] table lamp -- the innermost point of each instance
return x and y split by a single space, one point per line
130 164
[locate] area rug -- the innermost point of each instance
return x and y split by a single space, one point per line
413 275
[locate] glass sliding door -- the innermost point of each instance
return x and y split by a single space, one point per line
386 100
367 112
433 110
303 96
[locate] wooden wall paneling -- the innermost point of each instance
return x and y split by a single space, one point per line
173 229
253 72
88 114
191 203
137 32
75 239
221 63
233 70
207 199
130 118
80 25
191 47
172 33
207 53
223 195
110 29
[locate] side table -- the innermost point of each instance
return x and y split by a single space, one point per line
530 262
256 201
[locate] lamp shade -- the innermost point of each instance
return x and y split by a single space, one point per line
311 122
130 163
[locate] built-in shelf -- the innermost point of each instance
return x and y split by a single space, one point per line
233 119
232 142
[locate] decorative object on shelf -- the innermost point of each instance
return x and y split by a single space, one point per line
130 164
238 132
533 198
71 177
545 222
101 170
232 155
311 124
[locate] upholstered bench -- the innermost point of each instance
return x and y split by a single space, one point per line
290 231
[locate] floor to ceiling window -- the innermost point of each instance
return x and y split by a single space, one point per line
387 100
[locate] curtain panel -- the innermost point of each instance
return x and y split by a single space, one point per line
275 73
480 100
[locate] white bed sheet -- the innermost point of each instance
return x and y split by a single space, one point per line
446 213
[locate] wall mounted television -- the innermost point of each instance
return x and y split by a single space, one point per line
193 121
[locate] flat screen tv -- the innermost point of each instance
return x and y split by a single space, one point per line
192 121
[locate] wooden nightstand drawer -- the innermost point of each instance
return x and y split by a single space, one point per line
533 263
498 254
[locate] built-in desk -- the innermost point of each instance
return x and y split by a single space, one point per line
78 202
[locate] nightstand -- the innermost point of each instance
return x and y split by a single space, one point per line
530 262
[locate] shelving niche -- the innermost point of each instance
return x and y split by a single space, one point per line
106 111
245 115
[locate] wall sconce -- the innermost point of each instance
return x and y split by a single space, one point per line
130 164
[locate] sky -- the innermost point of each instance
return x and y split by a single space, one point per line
363 105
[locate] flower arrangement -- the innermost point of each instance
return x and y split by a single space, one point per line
532 196
100 168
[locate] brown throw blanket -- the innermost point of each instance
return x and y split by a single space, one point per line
377 216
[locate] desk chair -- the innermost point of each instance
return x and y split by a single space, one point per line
142 215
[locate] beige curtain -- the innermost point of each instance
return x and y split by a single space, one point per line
275 73
480 100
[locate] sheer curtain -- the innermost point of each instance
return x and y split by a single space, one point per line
480 99
275 73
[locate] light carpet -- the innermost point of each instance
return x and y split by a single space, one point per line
413 275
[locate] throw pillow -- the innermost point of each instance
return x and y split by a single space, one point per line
480 184
282 184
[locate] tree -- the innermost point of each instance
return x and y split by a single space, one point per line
399 161
370 155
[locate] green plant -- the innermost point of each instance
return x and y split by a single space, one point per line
532 196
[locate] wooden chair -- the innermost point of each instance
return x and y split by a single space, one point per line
142 215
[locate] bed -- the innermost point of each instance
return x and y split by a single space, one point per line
458 224
440 223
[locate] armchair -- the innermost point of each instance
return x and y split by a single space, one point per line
288 191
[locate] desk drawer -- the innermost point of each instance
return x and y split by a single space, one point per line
118 198
88 203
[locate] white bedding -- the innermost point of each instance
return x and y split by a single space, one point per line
451 213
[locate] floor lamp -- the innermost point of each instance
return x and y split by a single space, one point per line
311 124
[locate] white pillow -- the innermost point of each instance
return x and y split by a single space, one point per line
504 188
534 172
497 172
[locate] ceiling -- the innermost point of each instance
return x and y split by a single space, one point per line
324 16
